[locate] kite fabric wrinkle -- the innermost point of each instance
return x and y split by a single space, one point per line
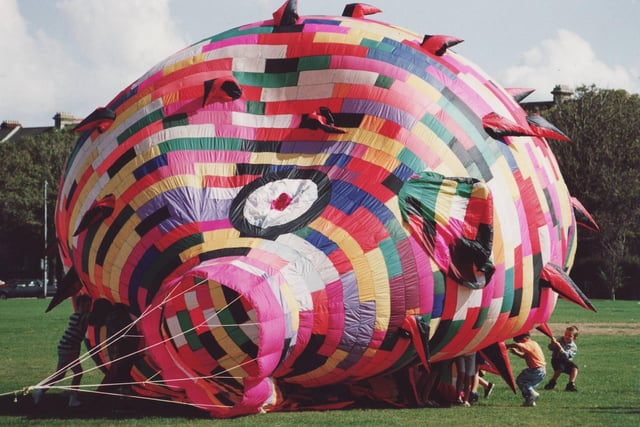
301 212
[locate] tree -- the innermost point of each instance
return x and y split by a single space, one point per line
25 165
600 167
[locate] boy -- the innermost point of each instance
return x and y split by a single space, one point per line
564 348
69 351
533 375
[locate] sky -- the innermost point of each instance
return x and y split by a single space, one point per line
75 55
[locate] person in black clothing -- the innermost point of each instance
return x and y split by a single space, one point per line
69 351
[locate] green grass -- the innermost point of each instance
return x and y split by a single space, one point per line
609 383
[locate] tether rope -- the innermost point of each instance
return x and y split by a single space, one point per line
122 333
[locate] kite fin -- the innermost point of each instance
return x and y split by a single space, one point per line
583 217
100 120
545 129
359 10
498 127
544 328
554 277
519 93
438 44
496 360
225 89
453 220
100 210
287 14
417 329
321 120
68 287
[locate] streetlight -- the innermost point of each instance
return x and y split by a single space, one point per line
45 264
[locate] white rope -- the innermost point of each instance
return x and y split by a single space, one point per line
122 334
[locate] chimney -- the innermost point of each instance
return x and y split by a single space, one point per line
561 93
64 119
10 124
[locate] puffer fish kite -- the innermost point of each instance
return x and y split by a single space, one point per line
313 201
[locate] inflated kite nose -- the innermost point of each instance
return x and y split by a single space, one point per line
223 329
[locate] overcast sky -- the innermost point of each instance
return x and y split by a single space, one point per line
76 55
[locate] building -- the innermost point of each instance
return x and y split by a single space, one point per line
13 129
560 94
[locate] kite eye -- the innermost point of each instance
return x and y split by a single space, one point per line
280 202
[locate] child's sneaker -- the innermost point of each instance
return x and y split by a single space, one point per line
550 385
529 402
534 396
571 387
488 390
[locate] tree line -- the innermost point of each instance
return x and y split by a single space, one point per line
601 166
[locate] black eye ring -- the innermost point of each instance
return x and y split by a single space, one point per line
250 227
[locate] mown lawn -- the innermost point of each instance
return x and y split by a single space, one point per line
609 383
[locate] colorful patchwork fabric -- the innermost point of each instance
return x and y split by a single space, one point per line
276 206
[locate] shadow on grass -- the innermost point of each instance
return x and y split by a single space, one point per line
54 406
616 410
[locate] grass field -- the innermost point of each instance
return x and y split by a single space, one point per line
609 381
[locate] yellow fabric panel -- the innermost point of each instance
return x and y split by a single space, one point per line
117 257
380 285
424 88
450 164
124 115
291 302
190 60
358 261
289 159
214 169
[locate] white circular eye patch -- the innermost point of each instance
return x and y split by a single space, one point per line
279 202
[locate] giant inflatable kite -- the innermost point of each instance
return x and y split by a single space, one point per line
309 202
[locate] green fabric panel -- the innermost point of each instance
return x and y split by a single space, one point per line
198 144
430 121
391 257
186 326
176 120
438 283
254 107
409 158
320 62
482 317
152 117
384 81
454 327
378 45
273 80
507 298
234 32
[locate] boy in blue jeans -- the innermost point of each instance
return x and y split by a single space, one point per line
535 372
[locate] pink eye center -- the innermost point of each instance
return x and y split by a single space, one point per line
281 202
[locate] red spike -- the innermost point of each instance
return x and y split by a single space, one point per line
69 286
544 129
496 360
519 93
544 328
359 10
224 89
100 120
583 217
438 44
99 210
555 278
420 339
287 14
498 127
